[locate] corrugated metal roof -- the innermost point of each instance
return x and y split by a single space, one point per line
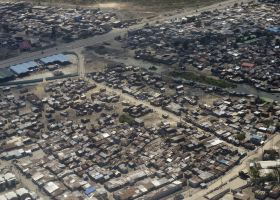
55 58
5 73
51 187
90 190
24 67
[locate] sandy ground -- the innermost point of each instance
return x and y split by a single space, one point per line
23 181
97 62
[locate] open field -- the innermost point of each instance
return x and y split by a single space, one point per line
149 6
202 79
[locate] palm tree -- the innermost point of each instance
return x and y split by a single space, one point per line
255 174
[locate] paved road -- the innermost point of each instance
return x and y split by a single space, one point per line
108 36
62 48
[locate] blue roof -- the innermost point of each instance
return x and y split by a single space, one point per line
274 29
55 58
24 67
90 190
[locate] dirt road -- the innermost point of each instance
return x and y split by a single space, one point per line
25 182
234 172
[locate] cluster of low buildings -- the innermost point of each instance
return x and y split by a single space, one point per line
88 153
7 180
237 44
72 139
243 122
18 194
10 188
50 63
262 176
24 26
240 119
137 110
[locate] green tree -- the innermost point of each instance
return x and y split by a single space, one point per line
240 136
254 173
125 118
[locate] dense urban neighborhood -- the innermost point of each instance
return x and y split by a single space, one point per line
94 107
238 44
26 27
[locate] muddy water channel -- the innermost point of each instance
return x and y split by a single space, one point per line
251 90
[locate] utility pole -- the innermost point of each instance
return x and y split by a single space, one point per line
262 152
188 186
272 142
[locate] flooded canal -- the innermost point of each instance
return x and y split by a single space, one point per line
251 90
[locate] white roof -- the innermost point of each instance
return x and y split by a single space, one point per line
11 195
50 187
177 182
2 197
22 191
216 142
9 176
142 188
105 135
155 182
269 164
37 176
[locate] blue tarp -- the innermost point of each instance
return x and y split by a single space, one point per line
90 190
225 162
23 68
60 58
